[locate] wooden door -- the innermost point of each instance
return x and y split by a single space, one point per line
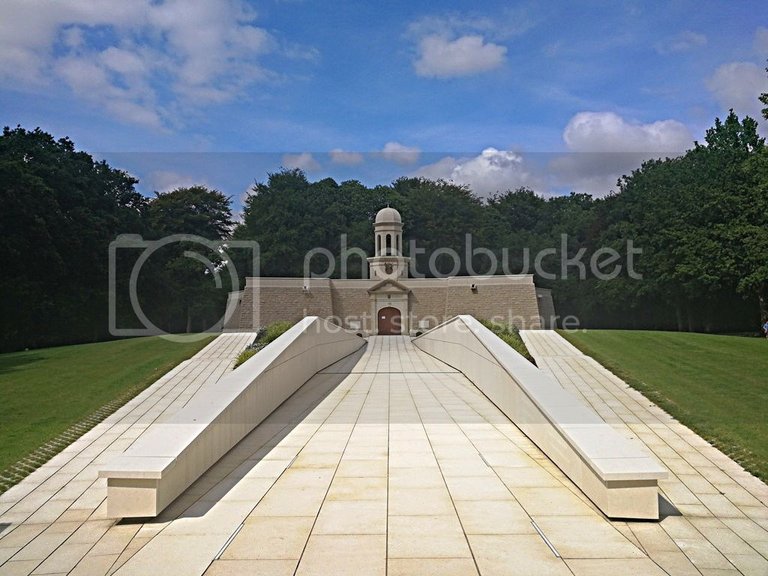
390 323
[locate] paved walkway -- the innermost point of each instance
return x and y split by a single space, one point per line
388 462
723 526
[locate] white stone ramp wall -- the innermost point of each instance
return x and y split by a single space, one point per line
176 451
387 462
616 473
59 511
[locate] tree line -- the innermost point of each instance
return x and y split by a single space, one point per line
60 210
700 219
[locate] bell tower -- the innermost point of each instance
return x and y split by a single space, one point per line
388 262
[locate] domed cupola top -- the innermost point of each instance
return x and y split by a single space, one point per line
388 215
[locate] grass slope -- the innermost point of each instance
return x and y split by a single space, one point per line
716 385
43 392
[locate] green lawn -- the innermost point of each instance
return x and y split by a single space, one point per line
43 392
716 385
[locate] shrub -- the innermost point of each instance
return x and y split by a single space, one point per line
510 335
263 337
245 355
274 331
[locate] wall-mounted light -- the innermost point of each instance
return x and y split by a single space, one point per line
473 287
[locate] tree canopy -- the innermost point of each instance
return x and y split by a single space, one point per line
60 211
699 220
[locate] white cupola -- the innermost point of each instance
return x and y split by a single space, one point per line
388 261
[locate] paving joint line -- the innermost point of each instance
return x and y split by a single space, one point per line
546 540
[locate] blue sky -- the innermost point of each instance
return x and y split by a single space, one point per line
558 96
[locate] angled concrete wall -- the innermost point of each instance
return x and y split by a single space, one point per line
617 474
172 454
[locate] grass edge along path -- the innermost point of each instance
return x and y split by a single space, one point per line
709 383
511 336
39 451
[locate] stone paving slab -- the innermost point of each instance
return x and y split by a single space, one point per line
387 462
56 516
717 513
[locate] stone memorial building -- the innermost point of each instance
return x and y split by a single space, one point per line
389 302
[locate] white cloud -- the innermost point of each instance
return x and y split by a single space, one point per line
440 57
91 81
489 172
304 161
604 146
339 156
137 60
400 154
609 132
737 85
167 180
683 42
123 61
510 22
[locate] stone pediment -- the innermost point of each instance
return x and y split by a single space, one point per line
388 287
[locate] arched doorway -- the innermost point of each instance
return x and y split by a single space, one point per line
389 322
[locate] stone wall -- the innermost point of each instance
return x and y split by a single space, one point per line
514 304
427 302
512 299
351 301
293 303
546 308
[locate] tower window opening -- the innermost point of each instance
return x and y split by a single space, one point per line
378 245
389 245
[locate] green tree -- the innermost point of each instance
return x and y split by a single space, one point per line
693 217
438 214
764 99
179 283
289 217
60 210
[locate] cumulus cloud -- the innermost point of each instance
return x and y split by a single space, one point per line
440 57
91 80
604 146
304 161
737 85
167 180
683 42
137 59
458 44
609 132
400 154
489 172
339 156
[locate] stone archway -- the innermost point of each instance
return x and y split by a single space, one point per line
389 322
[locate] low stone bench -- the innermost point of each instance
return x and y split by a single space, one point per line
616 473
171 454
